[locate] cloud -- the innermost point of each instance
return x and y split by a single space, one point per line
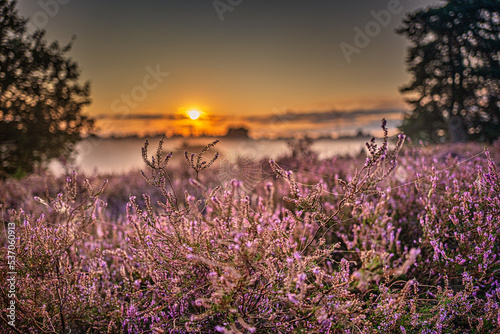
279 123
139 117
288 116
313 117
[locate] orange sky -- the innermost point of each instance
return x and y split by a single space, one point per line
263 64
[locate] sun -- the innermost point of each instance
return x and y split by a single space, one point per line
193 114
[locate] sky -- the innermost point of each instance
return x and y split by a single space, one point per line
279 68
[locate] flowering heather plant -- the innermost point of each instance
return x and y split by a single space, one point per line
404 240
53 266
198 165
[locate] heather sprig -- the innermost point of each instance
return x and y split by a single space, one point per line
378 166
198 165
159 173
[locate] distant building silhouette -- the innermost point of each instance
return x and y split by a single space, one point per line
237 133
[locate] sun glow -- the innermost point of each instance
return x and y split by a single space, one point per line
193 114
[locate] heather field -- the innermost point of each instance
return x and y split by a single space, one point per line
402 240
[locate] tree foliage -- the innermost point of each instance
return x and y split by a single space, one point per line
41 98
454 61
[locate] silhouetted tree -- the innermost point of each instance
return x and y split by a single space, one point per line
41 99
454 61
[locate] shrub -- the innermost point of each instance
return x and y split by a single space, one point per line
389 248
